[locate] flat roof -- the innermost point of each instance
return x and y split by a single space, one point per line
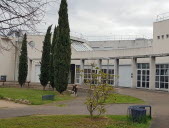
120 57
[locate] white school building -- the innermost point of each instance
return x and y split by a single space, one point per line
139 62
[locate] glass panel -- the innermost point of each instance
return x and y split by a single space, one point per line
105 70
166 79
85 71
162 72
111 82
85 75
157 66
139 66
138 77
143 84
143 78
157 85
144 72
166 85
162 78
147 78
144 66
77 75
77 81
138 84
157 72
157 78
166 72
148 72
161 85
139 72
147 84
162 66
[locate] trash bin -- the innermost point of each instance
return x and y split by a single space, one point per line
3 78
138 115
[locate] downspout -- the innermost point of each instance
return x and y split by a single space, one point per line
15 61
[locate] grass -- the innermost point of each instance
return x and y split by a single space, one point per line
70 122
123 99
34 96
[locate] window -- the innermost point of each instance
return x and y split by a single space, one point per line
143 75
162 36
31 44
158 37
162 76
167 36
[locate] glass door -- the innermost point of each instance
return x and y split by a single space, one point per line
143 75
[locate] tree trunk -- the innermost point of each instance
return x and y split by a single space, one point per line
91 114
43 88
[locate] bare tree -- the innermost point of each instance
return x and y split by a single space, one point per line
19 15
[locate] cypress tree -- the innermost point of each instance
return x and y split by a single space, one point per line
23 62
45 60
62 53
54 41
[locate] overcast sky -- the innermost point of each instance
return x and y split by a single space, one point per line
109 17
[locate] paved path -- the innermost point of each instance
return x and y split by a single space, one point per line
74 107
158 100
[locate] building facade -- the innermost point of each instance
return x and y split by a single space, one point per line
139 63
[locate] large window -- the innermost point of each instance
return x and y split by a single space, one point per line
88 74
162 75
110 73
88 71
143 75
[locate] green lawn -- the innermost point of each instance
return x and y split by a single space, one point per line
34 96
122 99
69 122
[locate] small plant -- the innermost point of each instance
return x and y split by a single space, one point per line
99 91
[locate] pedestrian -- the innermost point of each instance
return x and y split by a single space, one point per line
74 90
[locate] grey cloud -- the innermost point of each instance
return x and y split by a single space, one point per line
101 17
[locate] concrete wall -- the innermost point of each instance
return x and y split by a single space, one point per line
7 59
161 29
121 44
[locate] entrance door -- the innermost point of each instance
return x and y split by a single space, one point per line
125 76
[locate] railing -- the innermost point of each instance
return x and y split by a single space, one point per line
98 38
163 16
115 37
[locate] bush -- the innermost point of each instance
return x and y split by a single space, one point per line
98 93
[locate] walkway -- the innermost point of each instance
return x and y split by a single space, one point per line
159 102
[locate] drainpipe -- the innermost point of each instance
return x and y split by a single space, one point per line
15 61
